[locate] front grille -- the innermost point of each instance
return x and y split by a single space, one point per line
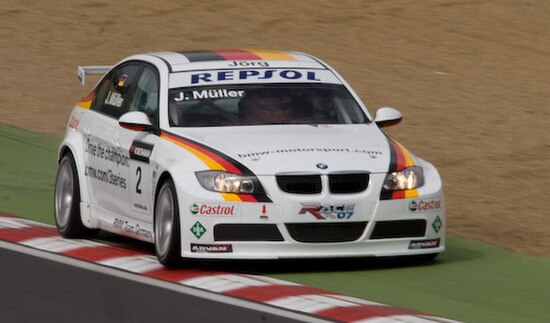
300 184
247 232
326 232
399 229
348 183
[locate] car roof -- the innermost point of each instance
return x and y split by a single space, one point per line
236 58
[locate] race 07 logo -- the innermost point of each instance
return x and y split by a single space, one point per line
424 205
204 209
328 211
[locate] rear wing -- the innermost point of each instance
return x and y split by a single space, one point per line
82 71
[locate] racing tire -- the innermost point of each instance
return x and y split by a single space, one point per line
166 226
67 201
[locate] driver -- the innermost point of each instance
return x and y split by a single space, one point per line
266 106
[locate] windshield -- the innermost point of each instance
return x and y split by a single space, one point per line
261 104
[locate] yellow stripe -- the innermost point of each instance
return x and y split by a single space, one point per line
409 160
85 104
411 193
212 164
232 197
272 55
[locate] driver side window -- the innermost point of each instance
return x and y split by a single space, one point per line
146 94
112 92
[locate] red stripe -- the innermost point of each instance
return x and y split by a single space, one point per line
224 163
177 275
237 55
398 195
7 215
100 253
247 198
22 234
268 293
400 157
361 312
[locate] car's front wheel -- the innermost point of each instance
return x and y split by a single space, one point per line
167 229
67 201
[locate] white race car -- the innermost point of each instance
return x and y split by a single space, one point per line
245 154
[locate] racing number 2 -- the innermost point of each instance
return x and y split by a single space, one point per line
138 173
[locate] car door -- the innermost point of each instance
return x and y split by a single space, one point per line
107 162
141 146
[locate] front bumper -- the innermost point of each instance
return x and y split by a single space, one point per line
387 231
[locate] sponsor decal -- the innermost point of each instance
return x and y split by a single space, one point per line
73 124
214 209
231 75
115 99
122 80
328 211
211 248
141 151
247 63
424 244
209 94
437 224
106 176
115 155
372 153
125 226
424 205
198 230
263 214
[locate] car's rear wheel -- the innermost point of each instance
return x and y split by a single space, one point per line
167 228
67 201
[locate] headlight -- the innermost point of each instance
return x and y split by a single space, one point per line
223 182
407 179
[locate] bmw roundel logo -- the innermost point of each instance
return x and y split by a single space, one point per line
322 166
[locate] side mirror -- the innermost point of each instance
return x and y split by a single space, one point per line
387 116
136 120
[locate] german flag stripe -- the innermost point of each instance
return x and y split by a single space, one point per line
216 160
237 55
400 158
86 102
203 56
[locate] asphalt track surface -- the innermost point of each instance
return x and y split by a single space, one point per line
64 293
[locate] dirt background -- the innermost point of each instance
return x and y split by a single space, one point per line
471 78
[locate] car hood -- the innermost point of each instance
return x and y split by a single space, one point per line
275 149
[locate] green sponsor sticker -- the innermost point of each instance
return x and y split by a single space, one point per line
198 229
413 206
437 224
194 208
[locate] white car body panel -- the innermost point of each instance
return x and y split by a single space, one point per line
118 189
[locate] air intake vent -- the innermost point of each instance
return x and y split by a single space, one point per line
300 184
348 183
326 232
399 229
247 232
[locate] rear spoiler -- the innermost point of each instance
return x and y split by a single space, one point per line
82 71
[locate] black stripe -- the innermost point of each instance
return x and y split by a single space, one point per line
260 197
393 157
388 195
202 56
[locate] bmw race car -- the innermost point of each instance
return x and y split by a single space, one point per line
244 154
